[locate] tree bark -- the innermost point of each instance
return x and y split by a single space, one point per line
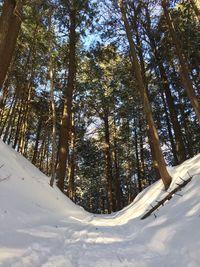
160 162
10 23
66 116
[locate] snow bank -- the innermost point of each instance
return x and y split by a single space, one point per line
40 227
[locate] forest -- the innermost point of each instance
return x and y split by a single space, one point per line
101 95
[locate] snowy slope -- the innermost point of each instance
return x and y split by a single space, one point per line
42 228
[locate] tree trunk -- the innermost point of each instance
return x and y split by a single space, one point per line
116 175
184 71
19 122
108 164
53 106
134 25
3 100
8 117
35 152
141 156
171 138
10 23
53 114
66 116
140 187
179 147
160 162
26 118
11 120
71 171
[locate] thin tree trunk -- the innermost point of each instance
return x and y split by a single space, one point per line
171 138
3 99
71 173
184 71
160 162
184 116
118 193
53 113
10 125
35 152
41 152
8 116
141 153
10 23
108 164
19 122
138 162
26 114
53 106
129 166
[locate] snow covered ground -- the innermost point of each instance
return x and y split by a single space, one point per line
40 227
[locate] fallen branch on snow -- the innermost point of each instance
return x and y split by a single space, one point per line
4 179
168 197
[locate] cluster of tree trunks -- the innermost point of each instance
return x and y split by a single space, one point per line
159 161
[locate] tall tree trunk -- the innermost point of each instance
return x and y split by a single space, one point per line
108 164
10 23
184 71
116 174
141 155
166 178
71 171
26 114
138 162
195 8
41 153
179 147
19 122
53 114
66 116
53 106
134 25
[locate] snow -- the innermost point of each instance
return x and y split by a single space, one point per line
40 227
